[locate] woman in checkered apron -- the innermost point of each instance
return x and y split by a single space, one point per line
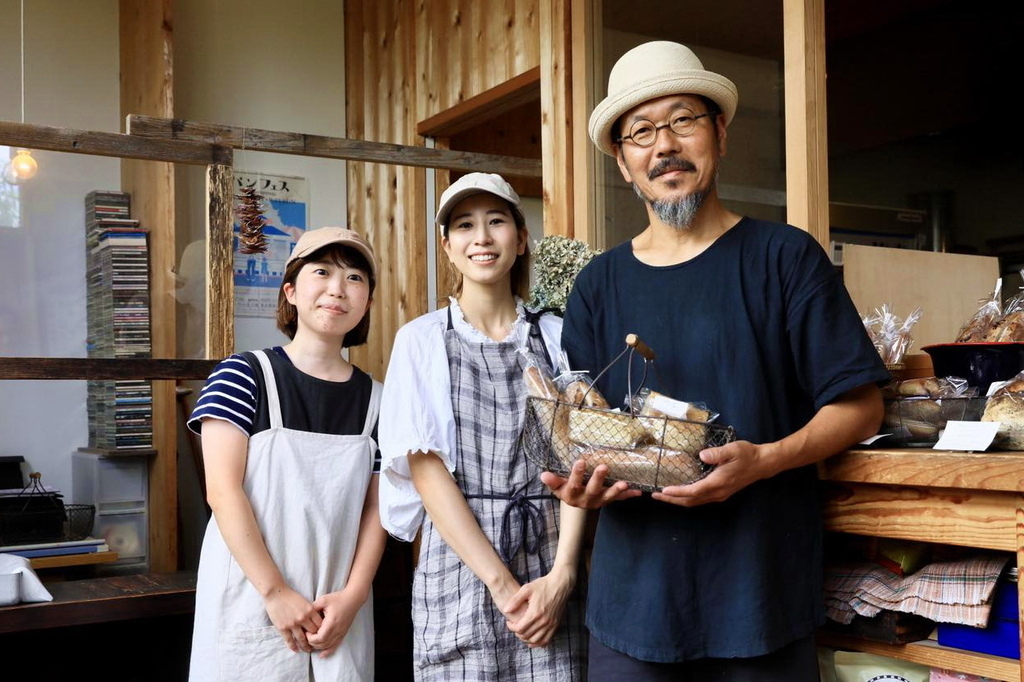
497 589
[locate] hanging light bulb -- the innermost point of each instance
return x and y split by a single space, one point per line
23 165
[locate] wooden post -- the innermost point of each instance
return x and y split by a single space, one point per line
220 286
146 87
806 123
556 115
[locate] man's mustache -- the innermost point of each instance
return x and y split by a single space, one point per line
670 164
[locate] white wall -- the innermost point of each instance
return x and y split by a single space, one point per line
258 64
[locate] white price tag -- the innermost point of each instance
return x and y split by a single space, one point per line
967 436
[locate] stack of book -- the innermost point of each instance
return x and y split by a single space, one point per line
117 272
63 548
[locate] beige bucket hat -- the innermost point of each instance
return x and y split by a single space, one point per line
313 240
652 70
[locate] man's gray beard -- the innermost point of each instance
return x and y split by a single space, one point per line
678 213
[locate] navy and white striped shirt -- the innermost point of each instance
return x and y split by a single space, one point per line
229 394
233 394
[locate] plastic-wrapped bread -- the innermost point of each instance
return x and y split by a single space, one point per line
648 466
539 383
673 434
1007 407
553 419
605 428
658 405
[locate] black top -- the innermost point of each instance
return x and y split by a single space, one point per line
760 328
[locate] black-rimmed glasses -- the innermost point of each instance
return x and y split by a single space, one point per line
643 133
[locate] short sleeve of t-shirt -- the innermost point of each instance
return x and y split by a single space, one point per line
229 395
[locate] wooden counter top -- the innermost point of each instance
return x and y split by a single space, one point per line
99 600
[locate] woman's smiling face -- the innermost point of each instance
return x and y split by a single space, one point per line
483 240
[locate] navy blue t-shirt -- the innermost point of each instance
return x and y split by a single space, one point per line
760 328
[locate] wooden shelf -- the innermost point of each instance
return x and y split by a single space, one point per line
928 468
64 560
943 497
930 653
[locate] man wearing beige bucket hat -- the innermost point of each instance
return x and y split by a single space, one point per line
720 579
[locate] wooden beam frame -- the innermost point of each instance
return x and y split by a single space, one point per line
220 284
119 145
104 369
302 144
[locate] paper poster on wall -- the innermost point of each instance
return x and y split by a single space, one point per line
258 276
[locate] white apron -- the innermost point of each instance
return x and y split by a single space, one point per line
307 492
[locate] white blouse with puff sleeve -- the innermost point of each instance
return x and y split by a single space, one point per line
416 411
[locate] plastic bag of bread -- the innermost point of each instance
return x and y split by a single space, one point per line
648 466
673 424
977 328
539 382
578 389
1010 327
550 418
929 387
1006 406
605 428
916 410
650 403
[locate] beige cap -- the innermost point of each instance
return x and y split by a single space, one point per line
475 183
651 71
313 240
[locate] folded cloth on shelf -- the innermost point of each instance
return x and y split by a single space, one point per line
946 592
31 588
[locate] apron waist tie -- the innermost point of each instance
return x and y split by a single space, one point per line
531 524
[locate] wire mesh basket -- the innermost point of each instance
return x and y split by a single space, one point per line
35 515
647 452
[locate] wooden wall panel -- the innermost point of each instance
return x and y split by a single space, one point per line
385 201
407 60
146 62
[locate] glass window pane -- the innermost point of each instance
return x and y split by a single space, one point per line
917 119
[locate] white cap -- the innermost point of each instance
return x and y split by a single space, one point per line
475 183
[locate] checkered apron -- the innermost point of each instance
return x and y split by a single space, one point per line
459 634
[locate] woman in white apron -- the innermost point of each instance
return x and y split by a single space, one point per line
288 433
498 587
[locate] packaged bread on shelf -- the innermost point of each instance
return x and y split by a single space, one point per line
1006 406
917 410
